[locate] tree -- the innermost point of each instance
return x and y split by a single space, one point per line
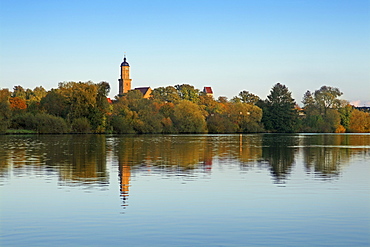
81 125
249 98
38 94
279 113
326 98
345 115
359 122
221 123
5 111
188 118
122 125
98 114
48 124
308 100
17 104
246 117
18 91
55 103
188 92
321 111
222 99
166 94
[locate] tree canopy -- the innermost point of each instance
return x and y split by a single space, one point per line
83 107
279 110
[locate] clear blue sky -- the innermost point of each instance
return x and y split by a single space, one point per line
229 45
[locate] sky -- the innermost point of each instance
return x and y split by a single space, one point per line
231 45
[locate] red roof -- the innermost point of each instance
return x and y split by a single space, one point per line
208 90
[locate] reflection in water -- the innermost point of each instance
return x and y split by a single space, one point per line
279 150
324 155
124 174
75 159
189 190
81 159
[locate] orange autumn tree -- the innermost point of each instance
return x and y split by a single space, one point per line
17 104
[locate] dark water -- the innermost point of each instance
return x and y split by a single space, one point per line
185 190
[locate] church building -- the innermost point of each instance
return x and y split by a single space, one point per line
125 81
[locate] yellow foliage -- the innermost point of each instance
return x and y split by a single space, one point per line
360 122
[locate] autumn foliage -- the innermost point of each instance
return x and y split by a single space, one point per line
17 104
83 107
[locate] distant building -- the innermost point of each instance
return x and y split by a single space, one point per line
363 108
125 81
208 91
146 91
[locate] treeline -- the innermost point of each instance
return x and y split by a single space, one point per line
83 107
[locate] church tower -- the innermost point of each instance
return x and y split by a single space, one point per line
124 81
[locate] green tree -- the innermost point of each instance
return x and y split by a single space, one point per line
48 124
122 125
188 92
98 114
18 91
150 118
326 98
166 94
345 115
55 103
321 111
5 111
38 94
249 98
308 100
279 112
81 97
81 125
221 123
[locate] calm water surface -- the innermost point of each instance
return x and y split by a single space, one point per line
185 190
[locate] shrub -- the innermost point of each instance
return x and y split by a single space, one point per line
121 125
48 124
24 121
81 125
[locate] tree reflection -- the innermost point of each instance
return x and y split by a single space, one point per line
75 159
279 151
82 159
324 155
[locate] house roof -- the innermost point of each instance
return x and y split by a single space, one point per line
208 90
143 90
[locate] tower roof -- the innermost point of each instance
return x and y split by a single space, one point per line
124 63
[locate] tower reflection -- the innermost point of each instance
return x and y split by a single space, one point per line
124 176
